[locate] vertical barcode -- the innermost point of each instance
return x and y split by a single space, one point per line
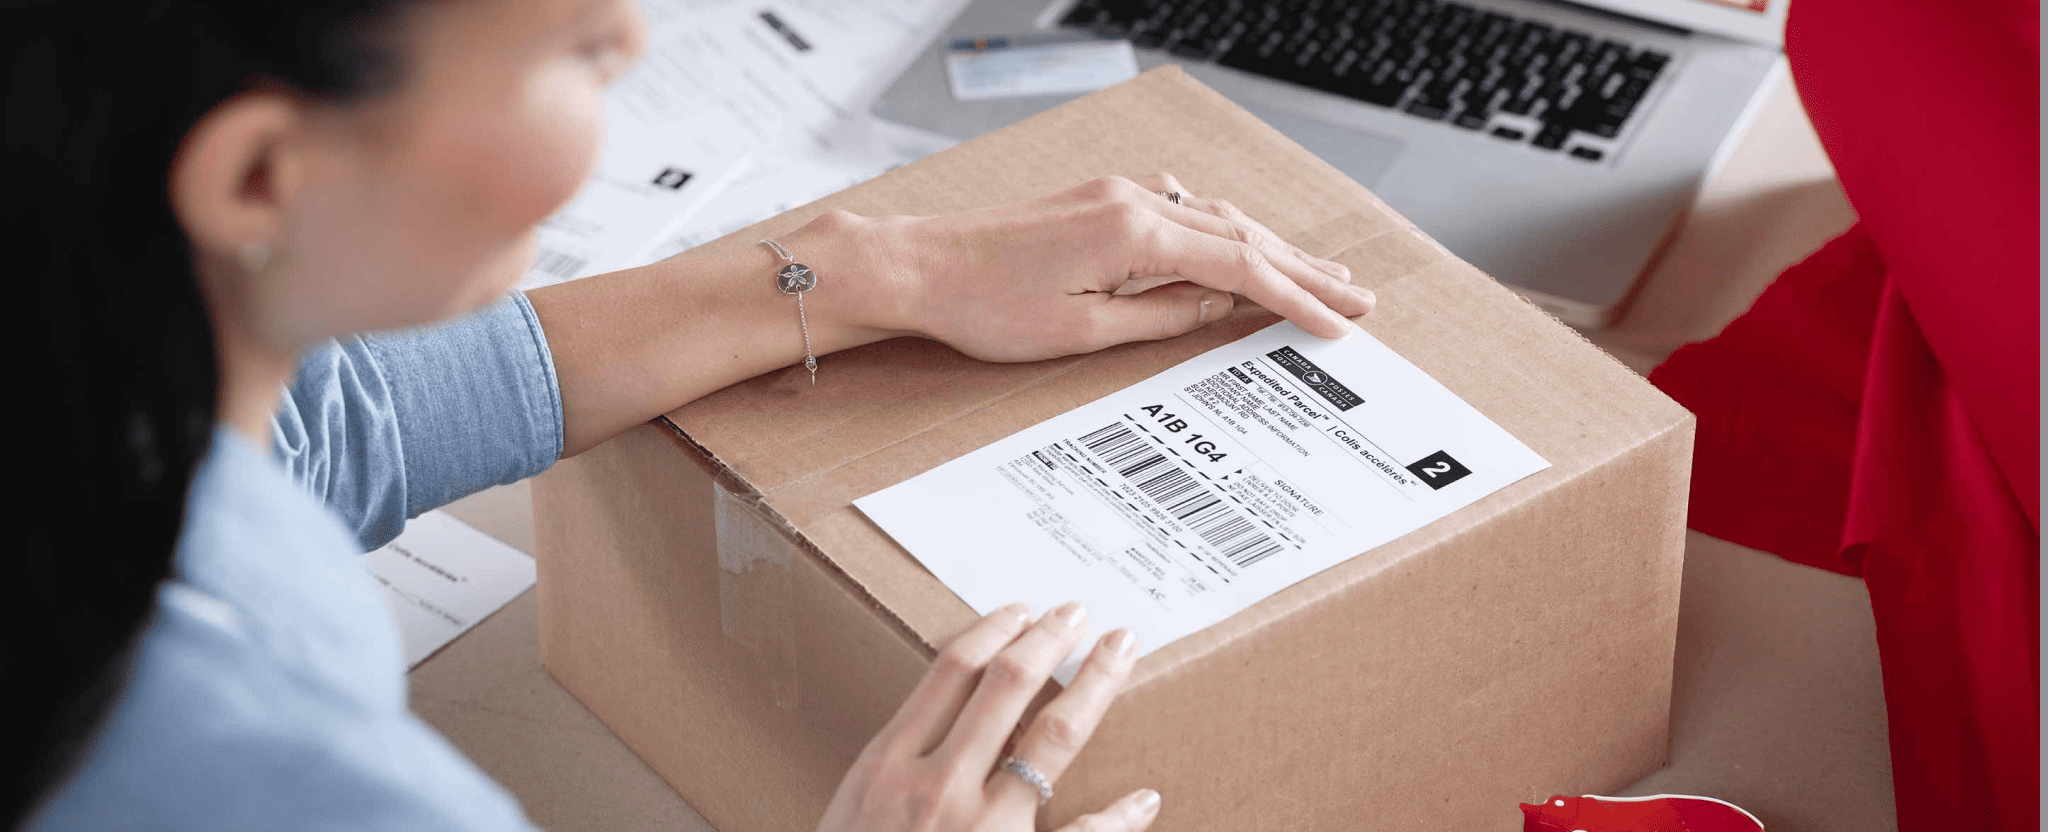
561 265
1175 491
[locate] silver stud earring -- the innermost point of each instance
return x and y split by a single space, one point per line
254 255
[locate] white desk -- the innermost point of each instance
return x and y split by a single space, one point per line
1777 707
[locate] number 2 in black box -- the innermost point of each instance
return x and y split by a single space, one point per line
1438 469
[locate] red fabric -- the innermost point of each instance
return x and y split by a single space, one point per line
1877 411
1656 813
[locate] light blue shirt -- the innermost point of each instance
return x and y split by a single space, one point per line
268 692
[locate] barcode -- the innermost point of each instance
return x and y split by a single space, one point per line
1175 491
561 265
1116 445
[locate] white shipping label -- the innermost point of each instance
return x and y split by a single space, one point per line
1045 69
1173 503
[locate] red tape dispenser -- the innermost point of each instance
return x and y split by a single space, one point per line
1655 813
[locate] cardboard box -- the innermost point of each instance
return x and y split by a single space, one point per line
709 591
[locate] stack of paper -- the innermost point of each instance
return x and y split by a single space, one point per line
736 113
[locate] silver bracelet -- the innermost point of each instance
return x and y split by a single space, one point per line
795 279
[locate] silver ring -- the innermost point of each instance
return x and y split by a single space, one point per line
1171 196
1030 775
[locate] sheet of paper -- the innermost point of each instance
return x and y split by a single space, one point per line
442 576
1171 504
650 178
817 63
827 140
1044 69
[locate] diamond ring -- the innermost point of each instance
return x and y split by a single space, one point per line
1030 774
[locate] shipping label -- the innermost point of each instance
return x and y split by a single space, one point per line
1178 501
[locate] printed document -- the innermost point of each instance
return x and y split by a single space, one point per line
442 576
1171 504
652 175
737 112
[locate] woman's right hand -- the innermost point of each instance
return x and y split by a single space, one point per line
934 765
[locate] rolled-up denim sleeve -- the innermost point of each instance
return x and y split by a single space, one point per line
382 428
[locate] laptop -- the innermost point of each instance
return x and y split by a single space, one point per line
1554 145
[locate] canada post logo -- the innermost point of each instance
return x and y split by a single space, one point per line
1313 377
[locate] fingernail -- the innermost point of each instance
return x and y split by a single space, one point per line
1336 269
1070 614
1366 295
1120 643
1148 801
1213 306
1014 616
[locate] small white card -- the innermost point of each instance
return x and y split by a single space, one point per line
442 577
1171 504
1043 69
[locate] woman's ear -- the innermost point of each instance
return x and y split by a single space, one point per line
236 172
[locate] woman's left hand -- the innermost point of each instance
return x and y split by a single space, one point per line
1042 279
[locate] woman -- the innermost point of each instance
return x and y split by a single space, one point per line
1877 411
218 197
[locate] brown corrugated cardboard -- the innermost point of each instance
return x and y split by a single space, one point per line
708 590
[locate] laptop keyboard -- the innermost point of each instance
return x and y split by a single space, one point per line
1443 61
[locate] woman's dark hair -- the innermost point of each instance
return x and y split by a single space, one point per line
119 405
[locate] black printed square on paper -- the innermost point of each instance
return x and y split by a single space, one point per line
672 178
1438 469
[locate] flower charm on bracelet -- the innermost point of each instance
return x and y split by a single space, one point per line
796 279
